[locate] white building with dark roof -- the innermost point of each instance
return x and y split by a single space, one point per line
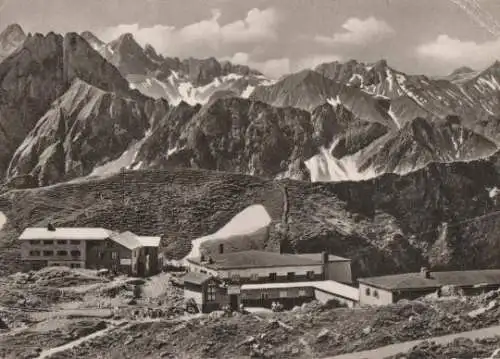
389 289
95 248
259 278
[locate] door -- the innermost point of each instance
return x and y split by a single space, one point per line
233 302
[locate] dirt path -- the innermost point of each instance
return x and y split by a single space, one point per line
394 349
124 324
48 352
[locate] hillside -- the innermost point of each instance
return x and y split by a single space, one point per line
387 224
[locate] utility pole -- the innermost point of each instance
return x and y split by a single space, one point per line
122 171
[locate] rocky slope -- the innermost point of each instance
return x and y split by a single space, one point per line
61 100
232 135
348 121
386 224
421 142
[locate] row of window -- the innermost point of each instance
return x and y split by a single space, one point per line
368 292
49 253
72 265
212 290
102 255
51 242
272 277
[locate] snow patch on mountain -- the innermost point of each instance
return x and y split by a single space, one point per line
393 116
176 88
248 91
335 102
249 221
324 167
3 220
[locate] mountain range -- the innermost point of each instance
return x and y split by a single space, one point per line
398 156
73 105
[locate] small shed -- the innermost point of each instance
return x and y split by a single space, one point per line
210 293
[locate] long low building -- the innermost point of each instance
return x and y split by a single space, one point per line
292 294
389 289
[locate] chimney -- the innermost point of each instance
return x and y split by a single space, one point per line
50 227
424 272
324 257
221 248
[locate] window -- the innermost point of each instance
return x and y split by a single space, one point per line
75 265
290 276
75 253
48 242
264 295
235 277
75 242
48 253
302 293
375 293
62 242
114 255
34 253
211 293
62 253
283 294
100 254
367 291
310 275
254 277
272 277
34 242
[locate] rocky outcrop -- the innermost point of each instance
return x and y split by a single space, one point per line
85 127
233 135
10 40
73 96
421 142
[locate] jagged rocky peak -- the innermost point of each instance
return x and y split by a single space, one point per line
125 42
84 62
150 51
202 71
13 32
228 68
462 70
92 39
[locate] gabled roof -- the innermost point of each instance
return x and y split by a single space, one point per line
254 259
149 241
127 239
65 233
415 281
196 278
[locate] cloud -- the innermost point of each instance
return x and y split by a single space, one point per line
358 32
278 67
451 51
205 37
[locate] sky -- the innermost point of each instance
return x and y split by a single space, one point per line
431 37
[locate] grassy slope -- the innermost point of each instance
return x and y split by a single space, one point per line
179 205
384 225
